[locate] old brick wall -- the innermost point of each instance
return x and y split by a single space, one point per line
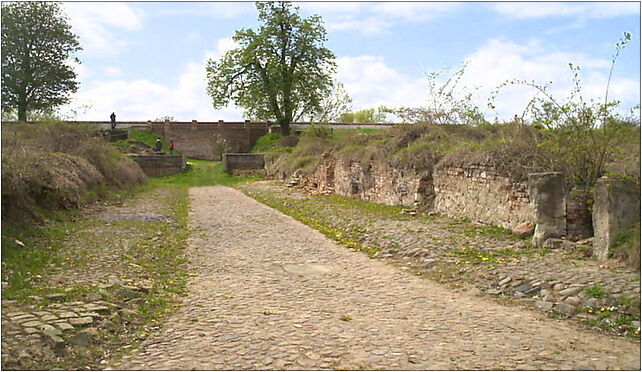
198 140
477 192
377 182
160 165
233 162
579 222
480 193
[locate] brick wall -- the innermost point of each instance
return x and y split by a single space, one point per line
232 162
579 222
198 140
160 165
480 193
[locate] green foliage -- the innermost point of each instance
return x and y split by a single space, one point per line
333 104
627 246
596 291
580 138
199 173
266 142
364 116
37 46
319 130
146 137
279 71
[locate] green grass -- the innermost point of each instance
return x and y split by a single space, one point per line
465 227
146 137
266 142
595 291
199 173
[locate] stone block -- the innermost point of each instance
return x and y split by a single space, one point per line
160 165
548 195
524 229
232 161
616 207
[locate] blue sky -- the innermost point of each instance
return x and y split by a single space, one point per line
145 60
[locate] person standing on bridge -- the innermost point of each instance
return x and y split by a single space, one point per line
113 120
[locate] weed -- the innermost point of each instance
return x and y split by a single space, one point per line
626 301
627 246
346 317
596 291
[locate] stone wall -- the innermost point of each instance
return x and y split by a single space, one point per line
548 196
378 182
232 162
198 140
477 192
616 207
480 193
160 165
579 222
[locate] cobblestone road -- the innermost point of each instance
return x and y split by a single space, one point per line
268 292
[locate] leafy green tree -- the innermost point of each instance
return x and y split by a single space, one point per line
281 71
335 102
364 116
37 45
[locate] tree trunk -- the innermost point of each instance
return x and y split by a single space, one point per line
22 112
285 126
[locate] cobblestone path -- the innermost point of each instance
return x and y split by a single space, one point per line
268 292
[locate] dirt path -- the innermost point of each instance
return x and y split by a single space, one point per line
268 292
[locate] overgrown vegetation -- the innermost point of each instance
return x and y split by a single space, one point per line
581 138
58 165
627 246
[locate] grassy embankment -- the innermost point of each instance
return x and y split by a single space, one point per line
65 243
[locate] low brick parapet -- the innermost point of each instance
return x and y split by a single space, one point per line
240 161
160 165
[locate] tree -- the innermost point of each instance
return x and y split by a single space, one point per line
333 105
280 71
364 116
37 46
448 102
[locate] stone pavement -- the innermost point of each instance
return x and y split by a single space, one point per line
268 292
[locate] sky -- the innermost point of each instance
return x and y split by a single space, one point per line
146 60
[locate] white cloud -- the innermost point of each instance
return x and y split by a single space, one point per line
365 26
553 9
498 61
112 71
376 18
415 11
323 8
371 83
98 24
146 100
224 10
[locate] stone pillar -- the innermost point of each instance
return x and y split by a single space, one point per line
548 195
617 206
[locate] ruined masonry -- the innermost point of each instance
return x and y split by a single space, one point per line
481 193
